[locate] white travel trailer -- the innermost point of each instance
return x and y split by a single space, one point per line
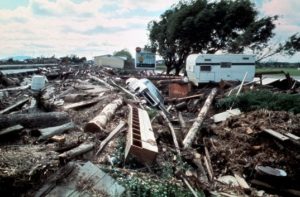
203 68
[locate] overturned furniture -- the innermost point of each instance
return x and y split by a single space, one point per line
140 137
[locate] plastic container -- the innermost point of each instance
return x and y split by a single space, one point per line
38 82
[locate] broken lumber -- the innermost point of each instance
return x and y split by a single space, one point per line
100 121
36 120
110 136
52 131
81 149
11 129
83 103
187 142
14 106
181 121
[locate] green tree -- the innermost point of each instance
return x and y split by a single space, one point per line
202 26
123 53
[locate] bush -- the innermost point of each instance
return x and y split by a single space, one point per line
262 99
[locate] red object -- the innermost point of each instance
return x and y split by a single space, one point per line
178 90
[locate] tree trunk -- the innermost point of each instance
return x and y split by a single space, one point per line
51 131
38 120
189 138
100 121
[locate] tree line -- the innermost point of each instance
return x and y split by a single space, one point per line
203 26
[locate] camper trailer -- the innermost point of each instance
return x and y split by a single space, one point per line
203 68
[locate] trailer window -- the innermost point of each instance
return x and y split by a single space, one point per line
205 68
245 58
225 64
207 60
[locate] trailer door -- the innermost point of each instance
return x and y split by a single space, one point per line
206 74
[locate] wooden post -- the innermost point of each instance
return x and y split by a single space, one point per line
100 121
187 142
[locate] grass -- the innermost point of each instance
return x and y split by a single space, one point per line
262 99
292 71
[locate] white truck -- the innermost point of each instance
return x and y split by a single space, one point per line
203 68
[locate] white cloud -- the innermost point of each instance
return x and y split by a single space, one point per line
63 27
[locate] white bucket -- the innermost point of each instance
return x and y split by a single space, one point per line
38 82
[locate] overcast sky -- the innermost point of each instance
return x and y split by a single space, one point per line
95 27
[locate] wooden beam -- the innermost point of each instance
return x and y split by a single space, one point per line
276 134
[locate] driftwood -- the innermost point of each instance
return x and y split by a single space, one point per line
100 121
14 106
189 138
36 120
83 103
11 129
81 149
51 131
110 136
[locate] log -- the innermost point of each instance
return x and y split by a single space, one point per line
11 129
14 106
81 149
99 122
111 135
52 131
189 138
36 120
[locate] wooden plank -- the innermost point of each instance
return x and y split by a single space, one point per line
276 134
294 137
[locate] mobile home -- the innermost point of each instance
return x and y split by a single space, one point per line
203 68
